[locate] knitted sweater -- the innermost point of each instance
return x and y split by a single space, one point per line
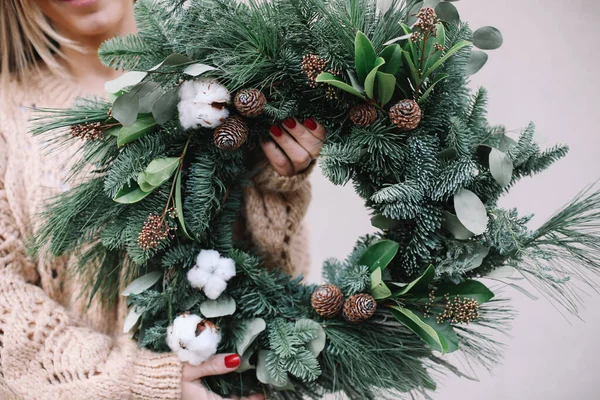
51 346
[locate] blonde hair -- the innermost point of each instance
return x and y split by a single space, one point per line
27 40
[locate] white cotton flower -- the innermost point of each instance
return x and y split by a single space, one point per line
211 273
202 103
193 339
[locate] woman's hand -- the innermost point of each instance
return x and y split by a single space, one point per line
295 145
219 364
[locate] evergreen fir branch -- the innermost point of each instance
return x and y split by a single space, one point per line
276 368
456 175
303 365
476 113
519 152
305 330
182 255
128 52
337 162
283 340
355 279
407 192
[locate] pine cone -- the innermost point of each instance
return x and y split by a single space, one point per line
231 134
406 114
359 307
327 300
363 114
250 102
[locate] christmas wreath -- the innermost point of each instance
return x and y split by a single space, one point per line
167 158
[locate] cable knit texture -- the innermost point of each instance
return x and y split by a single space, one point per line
51 345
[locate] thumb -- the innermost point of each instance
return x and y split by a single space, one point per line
219 364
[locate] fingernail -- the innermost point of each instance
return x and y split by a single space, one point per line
232 361
276 131
310 124
289 122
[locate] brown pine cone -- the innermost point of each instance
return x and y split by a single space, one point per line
231 134
363 114
359 308
250 102
406 114
327 300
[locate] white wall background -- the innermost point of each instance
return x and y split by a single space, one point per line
546 72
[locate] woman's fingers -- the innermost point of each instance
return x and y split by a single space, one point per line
297 154
219 364
195 391
309 135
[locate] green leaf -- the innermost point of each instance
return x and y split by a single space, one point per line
453 225
447 12
470 211
419 285
476 62
412 69
179 205
370 80
221 307
487 38
379 255
130 78
126 107
445 331
410 44
364 56
384 223
429 90
161 169
355 84
470 289
506 143
379 290
333 80
501 167
245 363
317 345
397 39
142 283
149 92
141 127
386 85
393 59
253 328
434 55
262 371
132 318
143 184
419 327
114 131
165 107
198 69
130 194
172 60
455 49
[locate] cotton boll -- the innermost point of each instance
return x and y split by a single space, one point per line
202 103
208 260
209 116
187 90
182 331
214 287
187 114
198 277
225 269
205 345
190 357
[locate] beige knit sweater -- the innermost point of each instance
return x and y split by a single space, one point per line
51 347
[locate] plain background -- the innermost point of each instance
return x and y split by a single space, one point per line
546 72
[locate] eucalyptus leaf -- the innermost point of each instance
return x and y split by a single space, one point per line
501 167
253 328
221 307
470 211
379 290
419 327
503 272
130 78
317 345
477 255
262 372
161 169
141 127
326 77
197 69
165 107
172 60
149 92
245 363
419 285
393 59
381 222
453 225
132 318
379 255
386 85
126 107
364 56
130 194
506 143
477 60
487 38
142 283
447 12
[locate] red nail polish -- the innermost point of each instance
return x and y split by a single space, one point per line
289 123
276 131
310 124
232 361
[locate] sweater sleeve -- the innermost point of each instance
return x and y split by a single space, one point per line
274 211
46 354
